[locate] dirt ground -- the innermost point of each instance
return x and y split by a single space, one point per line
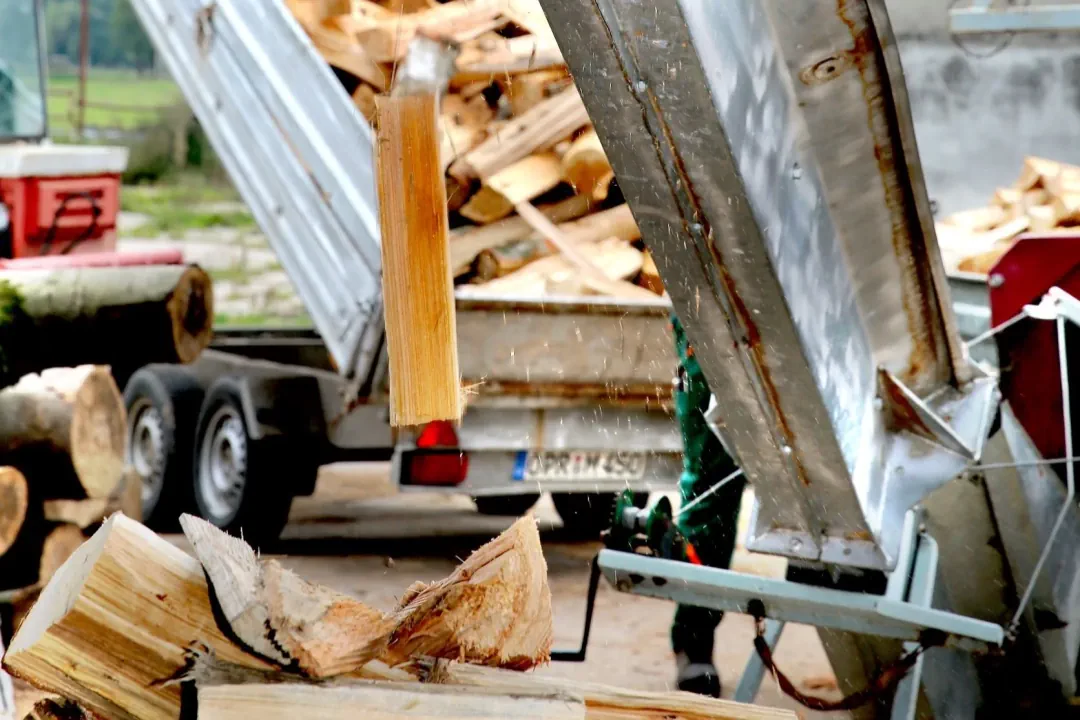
356 535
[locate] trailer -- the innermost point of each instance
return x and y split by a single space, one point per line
568 395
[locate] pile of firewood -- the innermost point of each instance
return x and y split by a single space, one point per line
63 333
1045 199
133 627
514 134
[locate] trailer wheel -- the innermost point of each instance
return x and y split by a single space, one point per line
241 484
513 505
162 405
585 515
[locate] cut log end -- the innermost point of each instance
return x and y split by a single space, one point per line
14 496
191 309
98 433
60 544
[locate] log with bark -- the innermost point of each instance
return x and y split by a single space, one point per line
123 317
65 428
14 499
80 640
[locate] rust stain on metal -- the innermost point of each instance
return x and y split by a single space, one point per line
908 241
899 412
635 392
857 535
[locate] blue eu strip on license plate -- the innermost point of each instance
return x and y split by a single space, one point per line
520 462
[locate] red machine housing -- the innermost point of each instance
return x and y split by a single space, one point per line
60 199
1028 351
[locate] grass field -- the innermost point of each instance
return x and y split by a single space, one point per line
112 87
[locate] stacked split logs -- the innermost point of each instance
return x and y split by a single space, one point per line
515 138
64 335
131 621
1044 199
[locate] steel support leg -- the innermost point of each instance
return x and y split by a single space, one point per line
754 672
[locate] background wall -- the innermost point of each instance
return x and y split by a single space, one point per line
977 117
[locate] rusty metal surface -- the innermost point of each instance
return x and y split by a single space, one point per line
767 154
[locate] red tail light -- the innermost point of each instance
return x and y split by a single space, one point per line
437 459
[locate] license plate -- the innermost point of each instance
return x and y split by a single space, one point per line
577 465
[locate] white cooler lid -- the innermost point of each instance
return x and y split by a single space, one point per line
48 160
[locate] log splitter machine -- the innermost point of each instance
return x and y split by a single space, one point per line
925 502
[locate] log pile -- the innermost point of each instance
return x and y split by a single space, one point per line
514 138
62 438
67 333
1044 199
133 627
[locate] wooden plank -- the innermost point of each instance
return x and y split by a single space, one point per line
467 243
418 285
526 90
14 499
585 166
79 641
604 701
489 58
379 701
522 181
387 40
538 129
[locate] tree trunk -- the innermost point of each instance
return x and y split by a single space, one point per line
79 640
65 429
14 497
123 317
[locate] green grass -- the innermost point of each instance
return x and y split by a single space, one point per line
174 206
113 87
222 320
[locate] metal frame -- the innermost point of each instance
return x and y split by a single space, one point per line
801 259
296 149
980 18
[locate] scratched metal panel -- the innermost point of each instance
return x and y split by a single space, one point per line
295 147
623 345
785 206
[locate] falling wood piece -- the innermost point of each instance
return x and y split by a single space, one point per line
1067 208
526 90
14 497
286 701
519 182
78 639
67 427
538 129
494 609
280 616
418 285
604 701
60 544
467 243
586 167
79 316
1042 217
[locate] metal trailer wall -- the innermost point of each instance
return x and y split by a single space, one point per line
977 117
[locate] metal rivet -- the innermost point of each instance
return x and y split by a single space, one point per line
786 449
794 544
696 227
641 86
996 280
796 171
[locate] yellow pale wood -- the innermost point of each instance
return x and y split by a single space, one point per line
115 620
418 285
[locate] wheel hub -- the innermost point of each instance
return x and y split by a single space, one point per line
146 449
223 465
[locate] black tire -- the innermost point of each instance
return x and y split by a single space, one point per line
513 505
263 472
585 515
162 405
